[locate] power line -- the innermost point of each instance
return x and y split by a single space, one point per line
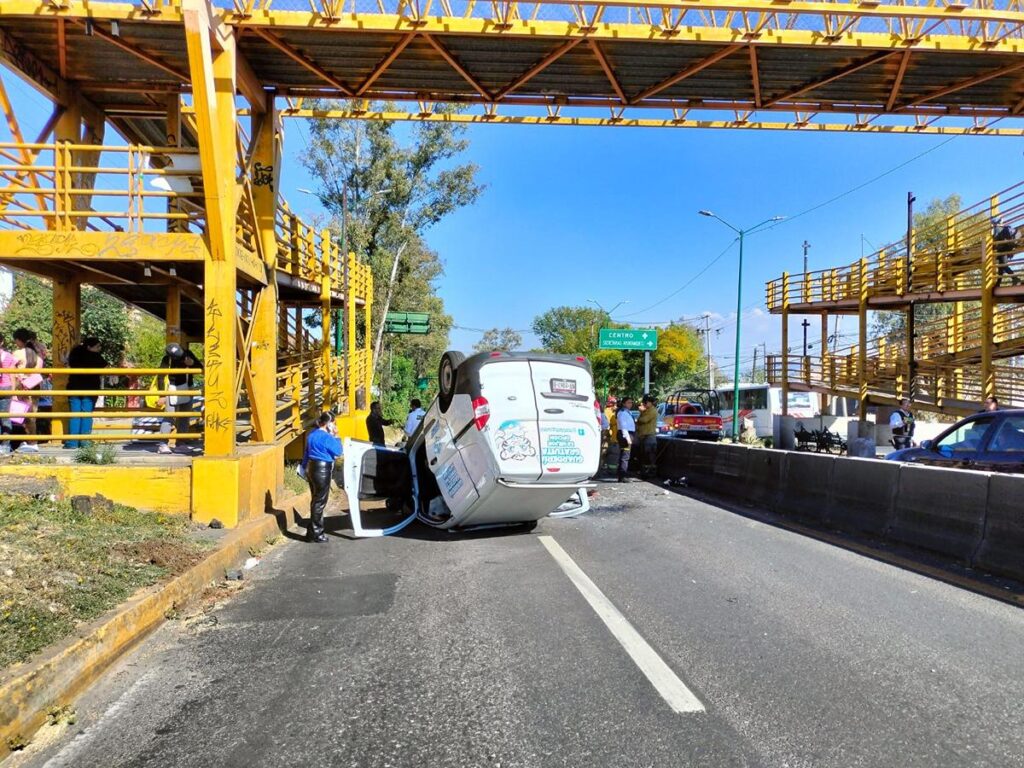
687 284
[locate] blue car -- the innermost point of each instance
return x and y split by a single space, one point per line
992 441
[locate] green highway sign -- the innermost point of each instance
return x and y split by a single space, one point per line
407 322
645 339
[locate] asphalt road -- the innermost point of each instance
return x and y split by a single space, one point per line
432 650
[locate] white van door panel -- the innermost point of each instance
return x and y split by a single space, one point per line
570 437
512 429
358 475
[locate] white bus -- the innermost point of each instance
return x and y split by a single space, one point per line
761 402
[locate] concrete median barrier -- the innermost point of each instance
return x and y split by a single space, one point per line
673 457
940 510
1002 544
807 482
700 469
763 477
863 494
730 468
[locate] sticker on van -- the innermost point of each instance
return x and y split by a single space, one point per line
514 443
451 480
559 446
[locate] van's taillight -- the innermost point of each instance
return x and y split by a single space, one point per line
598 414
481 412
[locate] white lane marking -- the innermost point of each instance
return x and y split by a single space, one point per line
665 681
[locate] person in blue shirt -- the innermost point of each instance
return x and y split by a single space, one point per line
626 432
323 447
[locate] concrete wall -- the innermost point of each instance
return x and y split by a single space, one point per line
976 518
161 489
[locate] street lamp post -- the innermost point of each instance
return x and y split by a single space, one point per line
739 313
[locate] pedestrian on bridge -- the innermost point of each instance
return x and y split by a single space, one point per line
323 447
177 357
1004 243
85 355
6 384
626 431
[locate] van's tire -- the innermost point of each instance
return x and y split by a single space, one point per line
450 361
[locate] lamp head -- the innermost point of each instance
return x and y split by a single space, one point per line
705 213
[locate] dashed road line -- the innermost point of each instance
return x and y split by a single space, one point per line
675 693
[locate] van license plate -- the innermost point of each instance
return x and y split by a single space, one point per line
563 386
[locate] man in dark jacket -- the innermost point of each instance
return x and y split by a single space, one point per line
375 424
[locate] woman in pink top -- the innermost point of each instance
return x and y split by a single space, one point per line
6 384
26 356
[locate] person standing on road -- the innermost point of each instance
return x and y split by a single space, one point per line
323 447
416 414
85 355
646 435
375 424
626 431
902 423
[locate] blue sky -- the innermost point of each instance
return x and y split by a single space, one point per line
610 214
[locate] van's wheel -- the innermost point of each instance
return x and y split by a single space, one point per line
450 361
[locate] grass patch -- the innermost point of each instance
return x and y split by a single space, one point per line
292 481
59 567
91 453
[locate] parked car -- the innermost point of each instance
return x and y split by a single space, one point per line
510 438
991 441
691 413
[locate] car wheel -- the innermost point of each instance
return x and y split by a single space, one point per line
450 361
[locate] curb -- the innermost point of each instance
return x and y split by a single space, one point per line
65 672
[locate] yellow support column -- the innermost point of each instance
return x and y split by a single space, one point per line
326 320
216 477
213 84
367 336
988 285
67 315
172 320
826 361
350 333
266 317
785 342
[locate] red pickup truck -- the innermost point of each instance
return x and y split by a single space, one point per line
691 413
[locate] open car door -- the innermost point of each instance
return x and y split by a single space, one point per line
373 472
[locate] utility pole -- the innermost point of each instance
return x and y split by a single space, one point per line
753 369
806 323
707 340
807 247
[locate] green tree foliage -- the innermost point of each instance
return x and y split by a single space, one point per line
103 316
401 373
570 330
147 342
503 339
678 361
394 190
931 235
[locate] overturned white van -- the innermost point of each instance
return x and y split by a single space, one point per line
510 438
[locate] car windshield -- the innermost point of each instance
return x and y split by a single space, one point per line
965 438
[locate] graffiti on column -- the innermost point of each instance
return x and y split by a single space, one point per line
214 364
64 333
